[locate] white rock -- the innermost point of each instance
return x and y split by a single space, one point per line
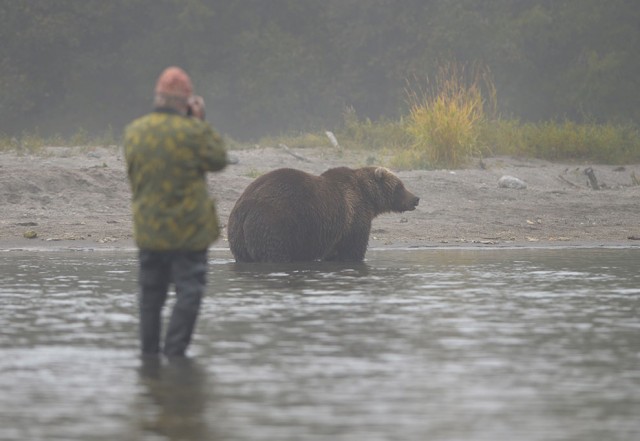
511 182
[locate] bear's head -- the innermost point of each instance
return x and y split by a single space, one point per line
389 192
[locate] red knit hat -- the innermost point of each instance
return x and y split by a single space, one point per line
174 82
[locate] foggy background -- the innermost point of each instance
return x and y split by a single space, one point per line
268 67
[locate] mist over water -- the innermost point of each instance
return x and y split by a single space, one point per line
440 344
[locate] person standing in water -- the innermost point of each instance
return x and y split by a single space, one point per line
168 154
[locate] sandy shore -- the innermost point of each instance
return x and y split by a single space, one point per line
79 198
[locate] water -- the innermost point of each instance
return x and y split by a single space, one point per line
538 344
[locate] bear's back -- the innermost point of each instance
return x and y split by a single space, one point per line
282 183
281 216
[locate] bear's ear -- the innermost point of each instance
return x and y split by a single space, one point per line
381 172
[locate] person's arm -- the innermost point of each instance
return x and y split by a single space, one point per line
213 155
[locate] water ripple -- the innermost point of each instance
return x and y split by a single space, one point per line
412 345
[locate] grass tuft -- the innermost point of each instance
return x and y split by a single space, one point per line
445 119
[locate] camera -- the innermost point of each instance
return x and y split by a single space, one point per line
195 107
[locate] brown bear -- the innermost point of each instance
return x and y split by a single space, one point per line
288 215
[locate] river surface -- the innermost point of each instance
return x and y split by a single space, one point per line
430 344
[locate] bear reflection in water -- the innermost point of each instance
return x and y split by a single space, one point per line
288 215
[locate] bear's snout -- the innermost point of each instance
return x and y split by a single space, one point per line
408 202
413 202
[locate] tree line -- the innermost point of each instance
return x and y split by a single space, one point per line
267 67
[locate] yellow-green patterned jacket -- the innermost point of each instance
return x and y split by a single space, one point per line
168 156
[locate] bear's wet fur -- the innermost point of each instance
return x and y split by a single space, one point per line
288 215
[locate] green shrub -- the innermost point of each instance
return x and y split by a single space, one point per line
603 143
302 140
556 141
354 134
33 143
80 138
107 138
30 143
367 135
6 143
501 137
254 173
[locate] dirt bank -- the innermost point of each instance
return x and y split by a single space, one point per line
80 198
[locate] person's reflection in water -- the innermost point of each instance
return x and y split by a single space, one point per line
178 389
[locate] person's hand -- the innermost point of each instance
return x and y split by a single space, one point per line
196 107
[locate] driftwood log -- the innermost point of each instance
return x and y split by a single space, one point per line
332 139
593 182
566 181
292 153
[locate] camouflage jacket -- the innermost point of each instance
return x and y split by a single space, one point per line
168 156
